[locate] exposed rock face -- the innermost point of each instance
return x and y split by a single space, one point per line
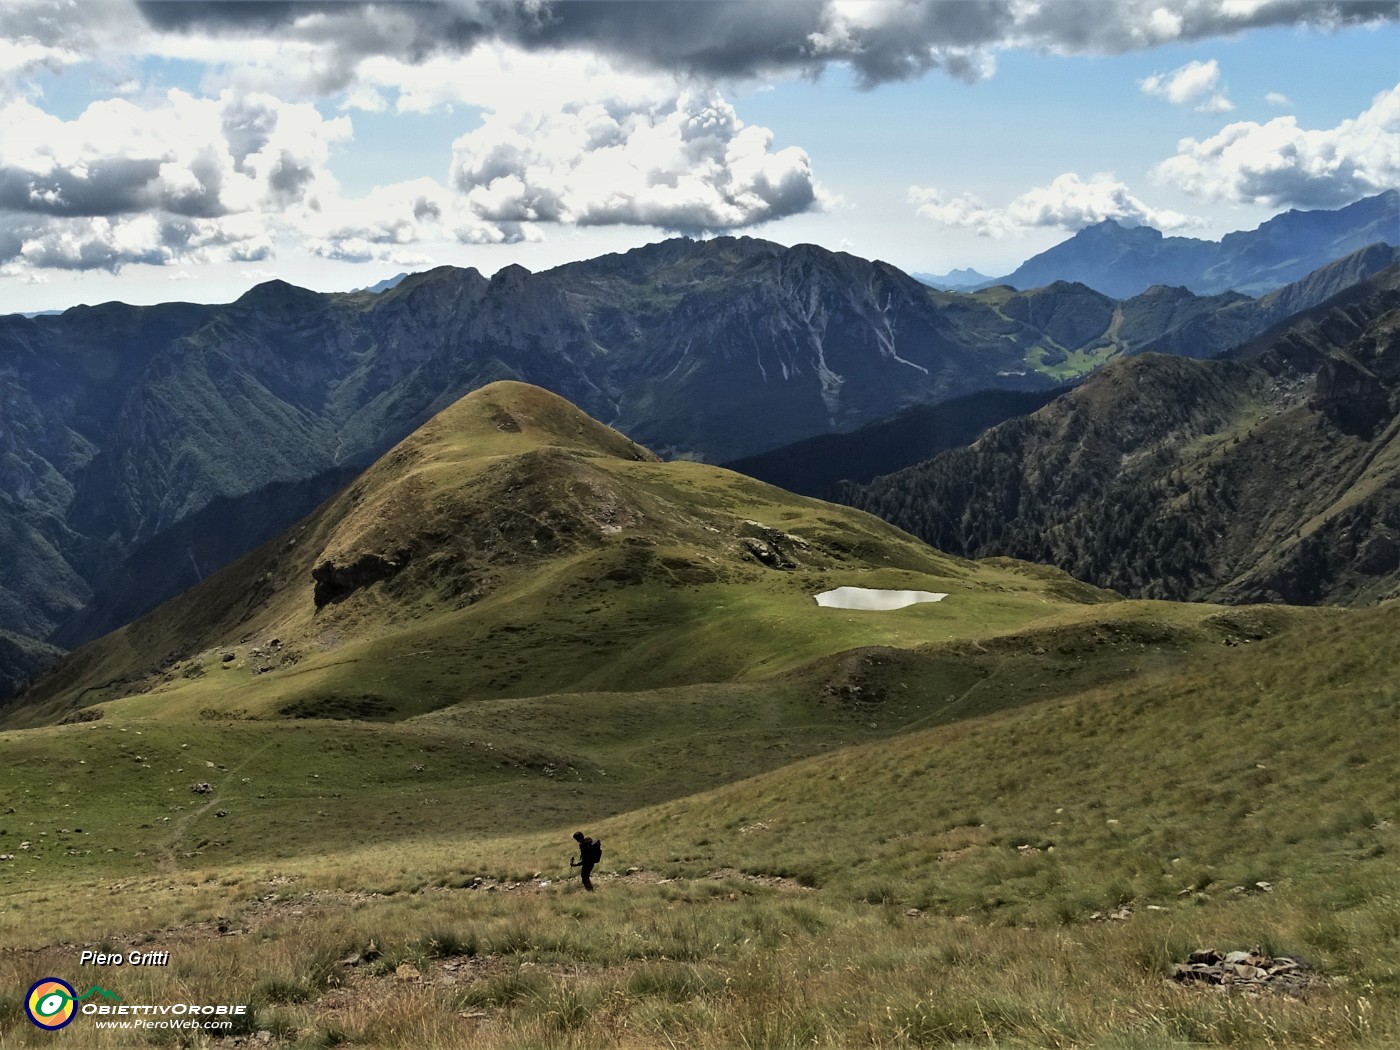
1380 554
1351 395
769 546
335 583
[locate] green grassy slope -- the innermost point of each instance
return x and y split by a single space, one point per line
1271 761
822 827
304 786
514 547
1161 771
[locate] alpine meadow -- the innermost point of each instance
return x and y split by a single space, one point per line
585 558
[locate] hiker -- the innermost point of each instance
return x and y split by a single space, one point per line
590 852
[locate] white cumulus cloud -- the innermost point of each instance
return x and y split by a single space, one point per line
1279 163
1194 84
1068 203
687 164
186 179
384 223
502 79
377 225
40 34
965 210
109 243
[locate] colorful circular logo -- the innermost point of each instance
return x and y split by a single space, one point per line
51 1003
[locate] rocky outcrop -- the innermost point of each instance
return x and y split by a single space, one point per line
1250 971
335 583
1380 554
770 547
1350 395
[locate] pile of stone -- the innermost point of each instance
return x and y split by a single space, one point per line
1250 971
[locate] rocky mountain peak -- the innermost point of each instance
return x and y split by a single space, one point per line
510 277
270 295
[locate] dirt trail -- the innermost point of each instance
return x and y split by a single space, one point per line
168 862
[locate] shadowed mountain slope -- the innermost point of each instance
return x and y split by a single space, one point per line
816 466
1273 475
1190 326
1213 333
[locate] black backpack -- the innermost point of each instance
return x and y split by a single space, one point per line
592 851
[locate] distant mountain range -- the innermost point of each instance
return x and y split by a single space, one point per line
123 422
142 448
1190 326
1123 261
1270 474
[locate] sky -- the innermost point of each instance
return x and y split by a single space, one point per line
186 150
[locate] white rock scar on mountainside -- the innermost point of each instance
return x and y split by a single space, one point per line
870 599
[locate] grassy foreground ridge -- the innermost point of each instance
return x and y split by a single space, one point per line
997 820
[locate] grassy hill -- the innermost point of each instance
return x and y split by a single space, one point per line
513 547
821 827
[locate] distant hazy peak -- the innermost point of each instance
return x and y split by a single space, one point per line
384 285
1122 261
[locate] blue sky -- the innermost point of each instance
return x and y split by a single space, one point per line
1042 115
188 151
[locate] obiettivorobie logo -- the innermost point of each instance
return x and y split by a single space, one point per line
52 1003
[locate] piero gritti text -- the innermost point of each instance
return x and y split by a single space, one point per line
91 958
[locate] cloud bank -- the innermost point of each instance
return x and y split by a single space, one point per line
1068 203
882 40
184 179
609 112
